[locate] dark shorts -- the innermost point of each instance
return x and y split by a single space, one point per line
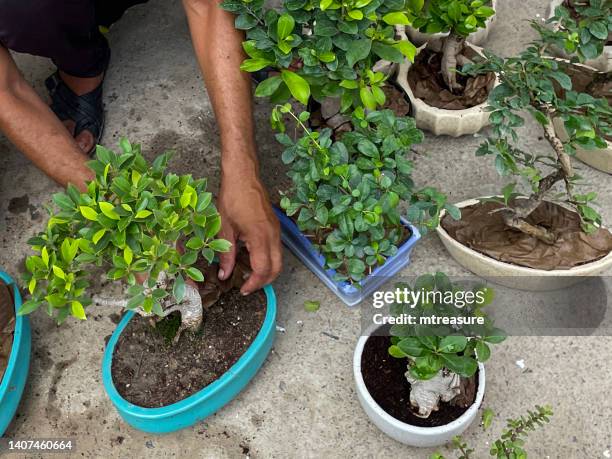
66 31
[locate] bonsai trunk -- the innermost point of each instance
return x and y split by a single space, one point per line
515 216
446 386
452 58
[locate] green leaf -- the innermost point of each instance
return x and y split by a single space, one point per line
195 243
195 274
220 245
28 307
396 18
285 26
411 346
89 213
483 351
460 364
108 209
452 344
143 213
395 351
63 201
312 306
58 272
407 49
487 418
178 289
359 50
367 98
298 86
268 86
78 310
253 65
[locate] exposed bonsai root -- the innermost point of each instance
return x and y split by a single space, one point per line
453 47
425 396
537 231
190 307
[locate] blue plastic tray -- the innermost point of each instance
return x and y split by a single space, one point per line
16 374
203 403
303 249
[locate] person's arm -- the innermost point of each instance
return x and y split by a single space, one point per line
35 130
245 210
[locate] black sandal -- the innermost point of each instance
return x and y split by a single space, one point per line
87 111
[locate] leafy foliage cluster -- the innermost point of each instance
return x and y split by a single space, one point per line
431 348
336 42
534 82
511 444
461 17
347 192
131 219
584 32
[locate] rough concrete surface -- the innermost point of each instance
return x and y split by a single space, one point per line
302 403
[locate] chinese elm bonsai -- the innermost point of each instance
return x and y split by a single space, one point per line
528 83
132 219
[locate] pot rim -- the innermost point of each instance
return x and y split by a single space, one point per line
18 342
584 270
203 394
405 427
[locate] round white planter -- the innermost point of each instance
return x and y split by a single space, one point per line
439 121
600 159
406 433
602 63
514 276
477 38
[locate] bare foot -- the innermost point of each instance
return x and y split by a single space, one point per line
81 86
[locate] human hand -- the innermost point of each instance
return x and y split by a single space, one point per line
246 215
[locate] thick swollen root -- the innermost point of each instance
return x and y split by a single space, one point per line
425 396
453 47
190 307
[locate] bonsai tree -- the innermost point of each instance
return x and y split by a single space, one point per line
133 221
510 445
529 82
443 359
346 193
324 48
458 18
581 28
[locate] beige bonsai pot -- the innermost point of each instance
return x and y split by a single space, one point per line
477 38
600 159
440 121
514 276
603 63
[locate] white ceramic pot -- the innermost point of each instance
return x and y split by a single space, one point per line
603 63
440 121
600 159
477 38
514 276
406 433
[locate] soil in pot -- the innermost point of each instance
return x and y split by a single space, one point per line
384 378
426 81
486 232
151 371
7 326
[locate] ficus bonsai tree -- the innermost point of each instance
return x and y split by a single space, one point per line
511 443
458 18
323 48
530 82
581 28
346 193
443 359
137 221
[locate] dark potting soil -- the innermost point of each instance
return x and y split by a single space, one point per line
7 326
487 233
384 378
149 370
425 80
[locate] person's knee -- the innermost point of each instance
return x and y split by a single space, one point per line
21 22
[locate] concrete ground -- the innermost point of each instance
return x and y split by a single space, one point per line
303 402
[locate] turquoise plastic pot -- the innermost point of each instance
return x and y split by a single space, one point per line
16 374
203 403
